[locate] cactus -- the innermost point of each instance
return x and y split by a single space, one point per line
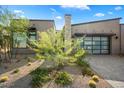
92 84
95 78
4 78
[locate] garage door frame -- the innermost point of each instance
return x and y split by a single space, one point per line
108 45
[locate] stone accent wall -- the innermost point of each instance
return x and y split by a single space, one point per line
67 27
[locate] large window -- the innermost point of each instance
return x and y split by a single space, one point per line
96 45
19 40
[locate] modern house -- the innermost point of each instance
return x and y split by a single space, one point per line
101 37
35 27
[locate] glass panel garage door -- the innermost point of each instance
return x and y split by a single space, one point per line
96 45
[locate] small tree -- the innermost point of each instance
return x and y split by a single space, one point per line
10 23
52 46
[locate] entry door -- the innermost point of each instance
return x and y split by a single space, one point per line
96 44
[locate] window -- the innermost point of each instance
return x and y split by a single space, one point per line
96 51
19 40
96 44
32 33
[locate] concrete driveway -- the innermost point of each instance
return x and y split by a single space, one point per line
110 67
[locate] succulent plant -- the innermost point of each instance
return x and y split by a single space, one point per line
95 78
16 71
92 84
29 63
4 78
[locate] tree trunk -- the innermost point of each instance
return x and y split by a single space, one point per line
1 60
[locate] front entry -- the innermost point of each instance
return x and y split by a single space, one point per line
96 44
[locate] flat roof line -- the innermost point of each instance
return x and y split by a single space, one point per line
40 20
97 21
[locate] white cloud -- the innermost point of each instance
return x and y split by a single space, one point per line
58 17
110 13
53 10
82 7
18 12
118 8
99 14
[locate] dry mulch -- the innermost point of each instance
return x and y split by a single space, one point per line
78 80
22 79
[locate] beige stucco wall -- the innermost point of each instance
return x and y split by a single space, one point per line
42 25
110 26
122 38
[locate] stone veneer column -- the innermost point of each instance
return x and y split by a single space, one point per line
67 26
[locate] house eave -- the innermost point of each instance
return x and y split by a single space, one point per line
93 34
97 21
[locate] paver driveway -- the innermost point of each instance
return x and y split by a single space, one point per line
110 67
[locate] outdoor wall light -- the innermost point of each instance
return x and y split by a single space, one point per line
116 37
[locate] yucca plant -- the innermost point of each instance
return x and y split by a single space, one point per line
52 46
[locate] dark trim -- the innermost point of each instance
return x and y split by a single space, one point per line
92 34
96 21
40 20
110 45
122 24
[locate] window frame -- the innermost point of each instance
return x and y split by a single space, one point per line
13 46
100 45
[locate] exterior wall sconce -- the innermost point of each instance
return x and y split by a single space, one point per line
116 37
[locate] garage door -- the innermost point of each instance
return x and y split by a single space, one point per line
96 44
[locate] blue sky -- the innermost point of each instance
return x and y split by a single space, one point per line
80 13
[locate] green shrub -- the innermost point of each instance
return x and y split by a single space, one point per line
40 71
63 78
36 81
92 84
87 71
39 80
16 71
40 76
83 63
60 65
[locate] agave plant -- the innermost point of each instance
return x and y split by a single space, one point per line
52 46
